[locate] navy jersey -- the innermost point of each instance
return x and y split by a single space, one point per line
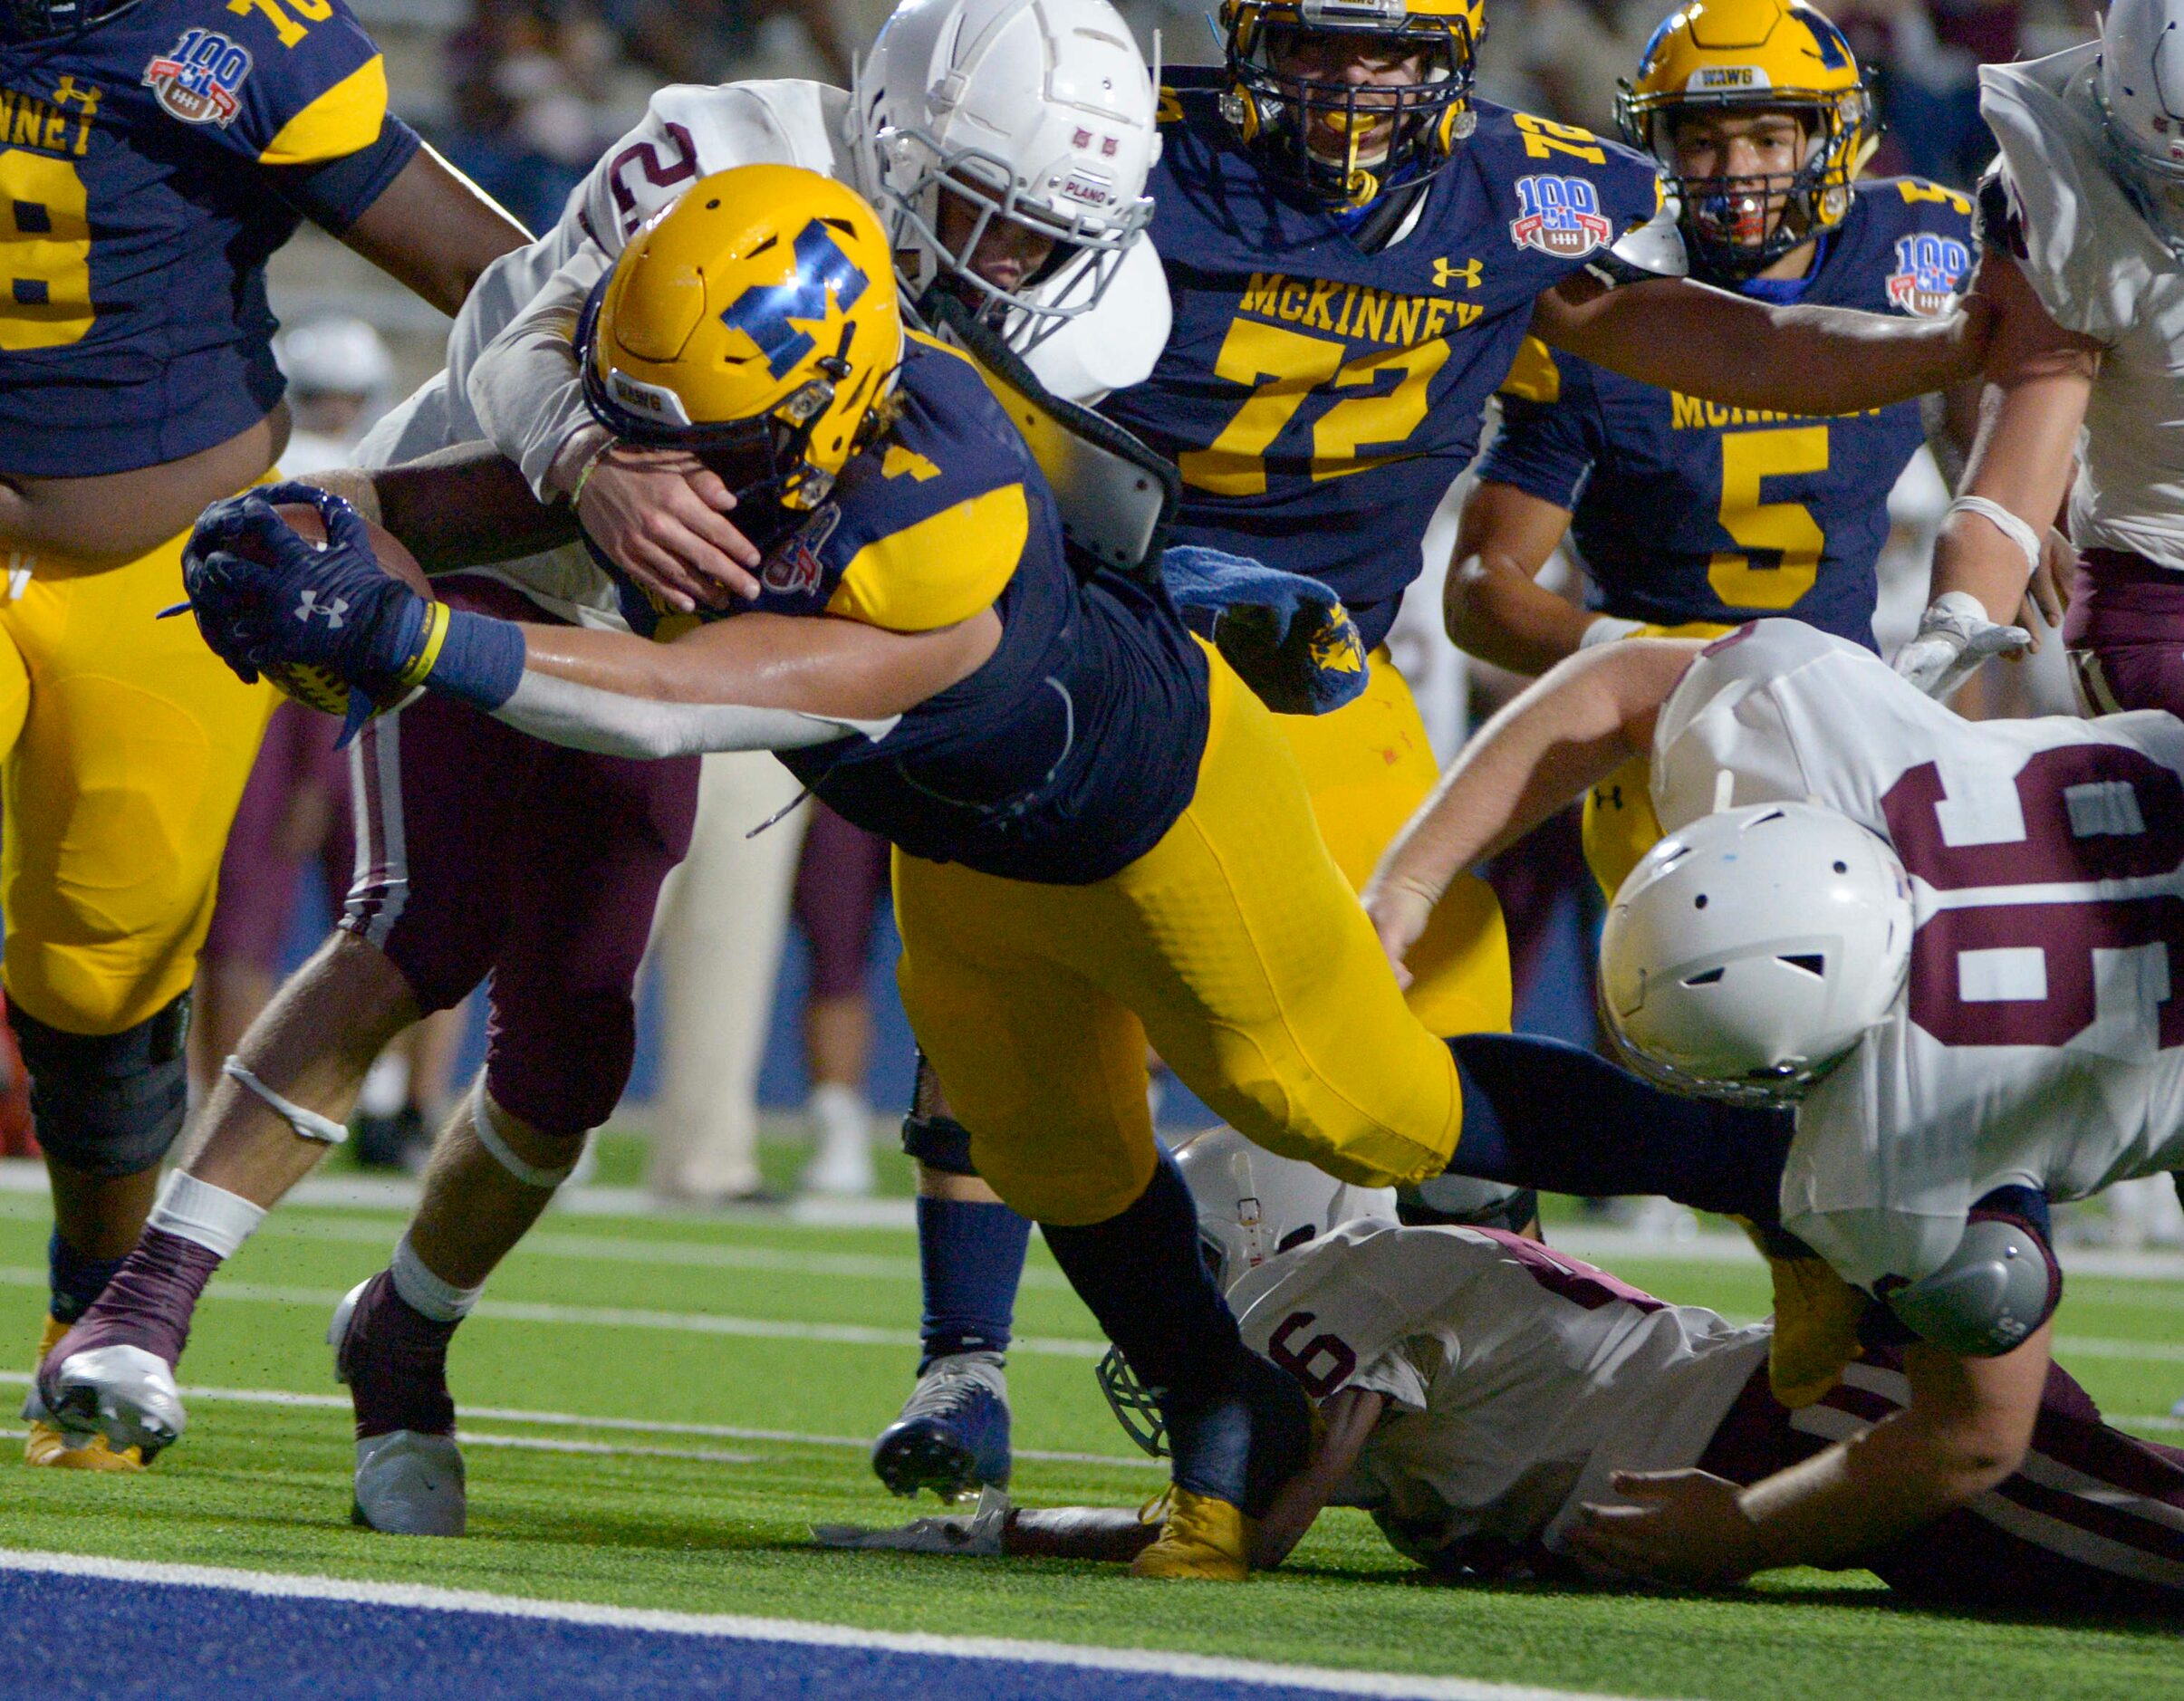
1685 510
148 167
1318 398
1065 756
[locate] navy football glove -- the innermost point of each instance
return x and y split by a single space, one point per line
269 601
1287 636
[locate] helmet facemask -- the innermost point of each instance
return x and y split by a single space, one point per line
1736 225
1345 142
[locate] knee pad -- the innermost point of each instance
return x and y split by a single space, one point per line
939 1142
107 1104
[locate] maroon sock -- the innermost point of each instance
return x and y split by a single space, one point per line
150 1301
395 1359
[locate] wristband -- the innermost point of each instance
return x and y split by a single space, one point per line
437 618
2005 522
1606 629
591 465
475 657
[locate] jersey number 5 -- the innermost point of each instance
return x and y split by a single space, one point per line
1292 366
1787 528
44 252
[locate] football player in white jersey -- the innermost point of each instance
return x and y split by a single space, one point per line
1503 1409
483 853
1950 946
2083 216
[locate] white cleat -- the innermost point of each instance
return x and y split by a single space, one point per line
124 1393
408 1484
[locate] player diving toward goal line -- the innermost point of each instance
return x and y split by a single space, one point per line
1100 838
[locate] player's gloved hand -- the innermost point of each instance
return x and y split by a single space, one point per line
1287 636
1953 638
264 596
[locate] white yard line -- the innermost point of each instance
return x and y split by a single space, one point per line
637 1425
735 1626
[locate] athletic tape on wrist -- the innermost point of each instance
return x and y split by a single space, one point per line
503 1154
308 1124
2005 522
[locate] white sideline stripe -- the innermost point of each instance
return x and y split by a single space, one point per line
688 1253
621 1317
638 1426
738 1628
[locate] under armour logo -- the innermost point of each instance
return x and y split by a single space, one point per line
1608 796
309 607
1444 273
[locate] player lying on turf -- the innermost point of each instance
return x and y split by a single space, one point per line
2082 220
1504 1410
1947 945
489 857
1101 837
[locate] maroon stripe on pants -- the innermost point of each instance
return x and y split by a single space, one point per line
2125 633
2038 1541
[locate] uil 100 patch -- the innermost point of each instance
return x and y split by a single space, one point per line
200 78
1929 267
1559 217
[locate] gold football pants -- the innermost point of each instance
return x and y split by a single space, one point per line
124 746
1236 946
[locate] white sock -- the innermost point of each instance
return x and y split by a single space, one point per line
841 1115
216 1219
427 1293
386 1088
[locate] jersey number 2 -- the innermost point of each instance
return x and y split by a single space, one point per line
1787 528
44 252
1293 367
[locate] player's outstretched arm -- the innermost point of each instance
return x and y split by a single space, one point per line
434 230
1576 724
1349 1416
1704 341
1492 603
1967 1427
458 507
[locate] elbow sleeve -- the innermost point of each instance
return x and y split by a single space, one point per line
586 717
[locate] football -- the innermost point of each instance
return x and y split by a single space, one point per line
316 686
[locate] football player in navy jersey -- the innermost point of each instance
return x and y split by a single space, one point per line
1691 517
1356 250
1102 837
152 156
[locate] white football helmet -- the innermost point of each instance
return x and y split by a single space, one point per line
2141 88
1750 951
1040 111
1252 1204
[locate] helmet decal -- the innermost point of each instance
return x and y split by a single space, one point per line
826 281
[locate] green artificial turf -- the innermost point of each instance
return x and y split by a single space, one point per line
610 1319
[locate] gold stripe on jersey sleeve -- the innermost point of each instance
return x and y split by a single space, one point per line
1533 375
943 569
340 122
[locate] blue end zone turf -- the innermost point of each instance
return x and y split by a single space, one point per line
99 1630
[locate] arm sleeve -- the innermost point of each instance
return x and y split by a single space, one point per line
585 717
524 387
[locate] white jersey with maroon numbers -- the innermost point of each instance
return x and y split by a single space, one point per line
2102 269
2039 1039
1517 1377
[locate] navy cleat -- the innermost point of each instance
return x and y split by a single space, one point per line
952 1435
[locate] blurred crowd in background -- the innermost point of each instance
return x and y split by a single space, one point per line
525 95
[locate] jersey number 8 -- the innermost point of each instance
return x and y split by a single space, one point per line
44 252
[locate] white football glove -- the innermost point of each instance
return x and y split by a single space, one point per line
976 1534
1954 637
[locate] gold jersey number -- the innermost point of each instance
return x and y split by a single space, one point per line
1788 527
44 252
1282 368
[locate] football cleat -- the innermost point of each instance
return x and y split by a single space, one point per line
56 1449
408 1482
1817 1315
1201 1539
952 1435
122 1393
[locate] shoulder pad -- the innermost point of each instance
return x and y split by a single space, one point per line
1999 1285
1998 223
1653 249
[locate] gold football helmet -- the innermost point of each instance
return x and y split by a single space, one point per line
755 322
1754 55
1344 142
